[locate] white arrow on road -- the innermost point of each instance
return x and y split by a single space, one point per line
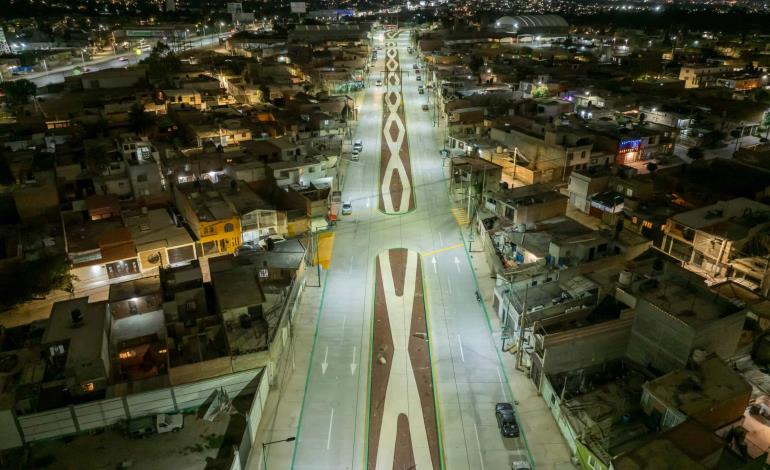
433 260
325 364
457 263
353 364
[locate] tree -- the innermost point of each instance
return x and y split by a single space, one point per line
695 153
652 167
162 62
138 119
24 280
18 92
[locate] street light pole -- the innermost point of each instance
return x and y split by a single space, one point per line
265 444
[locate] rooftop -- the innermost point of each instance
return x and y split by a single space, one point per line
237 288
85 337
155 229
699 390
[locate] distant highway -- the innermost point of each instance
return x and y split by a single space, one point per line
57 75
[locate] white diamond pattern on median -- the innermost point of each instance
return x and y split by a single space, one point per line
394 158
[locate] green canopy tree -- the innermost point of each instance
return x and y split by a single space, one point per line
18 92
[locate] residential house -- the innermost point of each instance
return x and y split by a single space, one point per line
721 241
215 223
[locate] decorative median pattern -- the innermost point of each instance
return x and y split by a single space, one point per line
403 428
396 195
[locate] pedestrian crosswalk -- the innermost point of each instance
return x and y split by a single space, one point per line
461 216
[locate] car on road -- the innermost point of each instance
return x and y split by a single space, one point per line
347 208
425 107
122 59
415 66
421 90
358 145
506 420
378 82
354 155
419 78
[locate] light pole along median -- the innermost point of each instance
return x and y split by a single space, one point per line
264 448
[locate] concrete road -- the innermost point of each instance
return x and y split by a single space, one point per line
57 75
468 373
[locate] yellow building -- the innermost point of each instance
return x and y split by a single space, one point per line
215 223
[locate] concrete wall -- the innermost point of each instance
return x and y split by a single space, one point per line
103 413
658 339
585 347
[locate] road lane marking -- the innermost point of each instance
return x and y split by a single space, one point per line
353 364
344 319
435 263
325 364
449 285
460 342
500 378
440 250
440 239
457 264
329 436
478 444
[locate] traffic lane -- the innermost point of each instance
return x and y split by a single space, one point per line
58 76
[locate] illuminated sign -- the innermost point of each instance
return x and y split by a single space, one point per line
629 145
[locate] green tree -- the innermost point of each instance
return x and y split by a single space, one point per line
652 167
24 280
695 153
162 62
18 92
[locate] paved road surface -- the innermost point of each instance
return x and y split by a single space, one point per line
57 75
467 371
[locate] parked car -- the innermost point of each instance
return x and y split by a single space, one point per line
123 59
419 78
506 420
415 66
358 145
378 82
161 423
421 90
354 155
347 208
425 107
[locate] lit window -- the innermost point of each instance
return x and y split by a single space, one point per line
89 387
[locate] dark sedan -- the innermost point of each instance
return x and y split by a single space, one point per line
506 420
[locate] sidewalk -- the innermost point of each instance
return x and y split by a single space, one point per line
280 418
546 443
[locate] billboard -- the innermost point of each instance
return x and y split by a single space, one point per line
298 7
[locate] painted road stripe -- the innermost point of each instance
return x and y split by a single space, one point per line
441 250
329 437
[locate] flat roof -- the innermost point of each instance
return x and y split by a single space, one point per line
135 288
237 287
719 215
85 340
155 229
694 391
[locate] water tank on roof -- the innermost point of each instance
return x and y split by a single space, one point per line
625 278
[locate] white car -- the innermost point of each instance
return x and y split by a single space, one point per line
347 208
378 82
358 146
123 59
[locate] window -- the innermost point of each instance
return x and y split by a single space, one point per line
89 387
228 227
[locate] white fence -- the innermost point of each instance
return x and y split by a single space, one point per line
107 412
